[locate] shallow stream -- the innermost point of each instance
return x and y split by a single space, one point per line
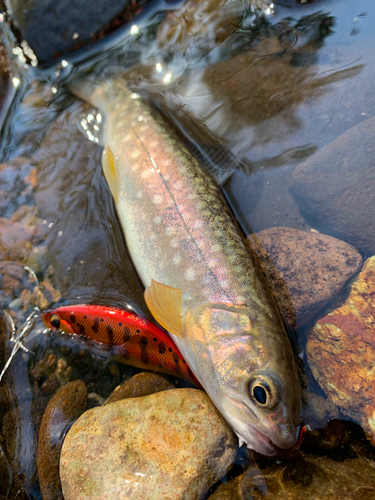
280 108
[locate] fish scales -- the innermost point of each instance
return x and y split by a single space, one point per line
182 213
180 234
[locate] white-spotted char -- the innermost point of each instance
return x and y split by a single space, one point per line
202 282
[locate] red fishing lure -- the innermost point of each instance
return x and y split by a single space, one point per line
129 338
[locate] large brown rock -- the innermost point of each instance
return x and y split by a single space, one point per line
170 445
306 269
335 188
341 351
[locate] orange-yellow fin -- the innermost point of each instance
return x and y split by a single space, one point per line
109 168
165 304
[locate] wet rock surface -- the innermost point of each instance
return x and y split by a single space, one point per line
305 269
53 28
63 409
142 384
176 437
335 188
341 353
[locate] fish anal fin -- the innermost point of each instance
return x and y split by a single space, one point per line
165 304
109 168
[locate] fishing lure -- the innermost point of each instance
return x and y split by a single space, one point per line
129 338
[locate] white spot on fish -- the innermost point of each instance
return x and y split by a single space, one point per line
157 199
216 248
224 284
158 219
140 118
177 259
198 224
128 137
177 185
139 194
190 274
174 242
169 230
146 173
134 155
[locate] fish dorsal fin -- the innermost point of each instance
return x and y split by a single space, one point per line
165 304
109 168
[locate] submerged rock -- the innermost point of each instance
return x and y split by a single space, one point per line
63 409
312 478
335 188
341 351
318 411
52 28
169 445
142 384
306 269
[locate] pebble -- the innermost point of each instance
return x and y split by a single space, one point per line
330 437
306 269
341 351
335 188
318 411
167 446
64 408
142 384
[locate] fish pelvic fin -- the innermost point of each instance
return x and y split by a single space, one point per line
165 304
109 168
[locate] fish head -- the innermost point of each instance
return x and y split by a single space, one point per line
249 371
56 320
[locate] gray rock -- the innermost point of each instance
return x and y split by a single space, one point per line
53 27
335 188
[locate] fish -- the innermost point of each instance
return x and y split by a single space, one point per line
202 282
129 338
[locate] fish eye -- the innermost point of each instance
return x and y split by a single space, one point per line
264 391
55 321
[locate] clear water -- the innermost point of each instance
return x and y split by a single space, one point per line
254 96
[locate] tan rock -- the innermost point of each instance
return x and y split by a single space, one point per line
170 445
305 269
341 351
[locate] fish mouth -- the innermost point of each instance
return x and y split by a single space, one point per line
259 443
263 445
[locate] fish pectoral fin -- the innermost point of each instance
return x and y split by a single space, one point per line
109 168
165 304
